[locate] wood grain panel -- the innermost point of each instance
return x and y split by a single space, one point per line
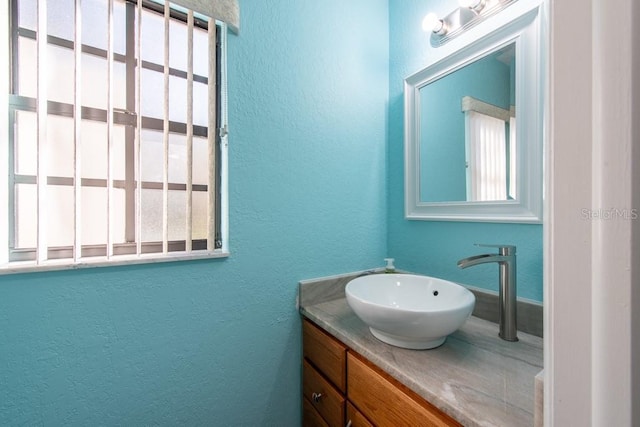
386 402
326 353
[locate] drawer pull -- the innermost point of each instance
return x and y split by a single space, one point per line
316 397
348 424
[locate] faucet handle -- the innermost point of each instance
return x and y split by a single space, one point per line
503 249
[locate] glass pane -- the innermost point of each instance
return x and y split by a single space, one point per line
177 99
152 205
61 150
200 214
200 161
178 45
177 215
119 219
27 67
26 219
94 149
59 137
152 37
25 144
152 86
152 94
60 215
200 104
151 212
152 153
94 82
119 152
60 18
200 45
27 14
94 24
60 73
177 158
94 216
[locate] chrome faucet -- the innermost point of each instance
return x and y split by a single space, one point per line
506 259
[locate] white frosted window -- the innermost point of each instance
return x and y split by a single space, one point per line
200 106
26 143
60 140
200 45
177 42
94 78
26 223
152 212
60 215
200 216
96 173
152 38
94 216
95 24
200 164
27 67
487 157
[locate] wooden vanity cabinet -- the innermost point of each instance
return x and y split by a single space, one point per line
342 388
324 373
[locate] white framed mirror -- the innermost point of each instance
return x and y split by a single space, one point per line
473 130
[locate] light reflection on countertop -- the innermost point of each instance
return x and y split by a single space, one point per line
475 377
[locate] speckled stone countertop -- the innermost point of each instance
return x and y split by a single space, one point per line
475 377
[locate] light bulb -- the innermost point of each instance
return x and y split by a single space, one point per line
476 5
431 22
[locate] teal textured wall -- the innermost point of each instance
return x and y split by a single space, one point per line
218 342
434 247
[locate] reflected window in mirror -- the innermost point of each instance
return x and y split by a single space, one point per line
465 143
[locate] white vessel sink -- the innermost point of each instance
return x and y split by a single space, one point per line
410 311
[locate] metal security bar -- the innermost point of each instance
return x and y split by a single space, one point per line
4 130
212 139
189 206
110 143
165 134
77 137
42 148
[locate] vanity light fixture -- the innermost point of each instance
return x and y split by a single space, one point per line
432 23
469 14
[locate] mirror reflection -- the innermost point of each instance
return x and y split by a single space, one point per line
467 121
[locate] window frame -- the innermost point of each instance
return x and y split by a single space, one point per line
24 259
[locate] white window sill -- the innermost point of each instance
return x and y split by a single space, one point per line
57 265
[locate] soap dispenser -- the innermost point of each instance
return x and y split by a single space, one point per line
389 268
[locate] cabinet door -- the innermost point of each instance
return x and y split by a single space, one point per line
311 417
385 403
326 353
328 401
355 417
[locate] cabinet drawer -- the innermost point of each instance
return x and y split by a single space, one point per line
311 417
326 353
382 400
356 418
330 403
